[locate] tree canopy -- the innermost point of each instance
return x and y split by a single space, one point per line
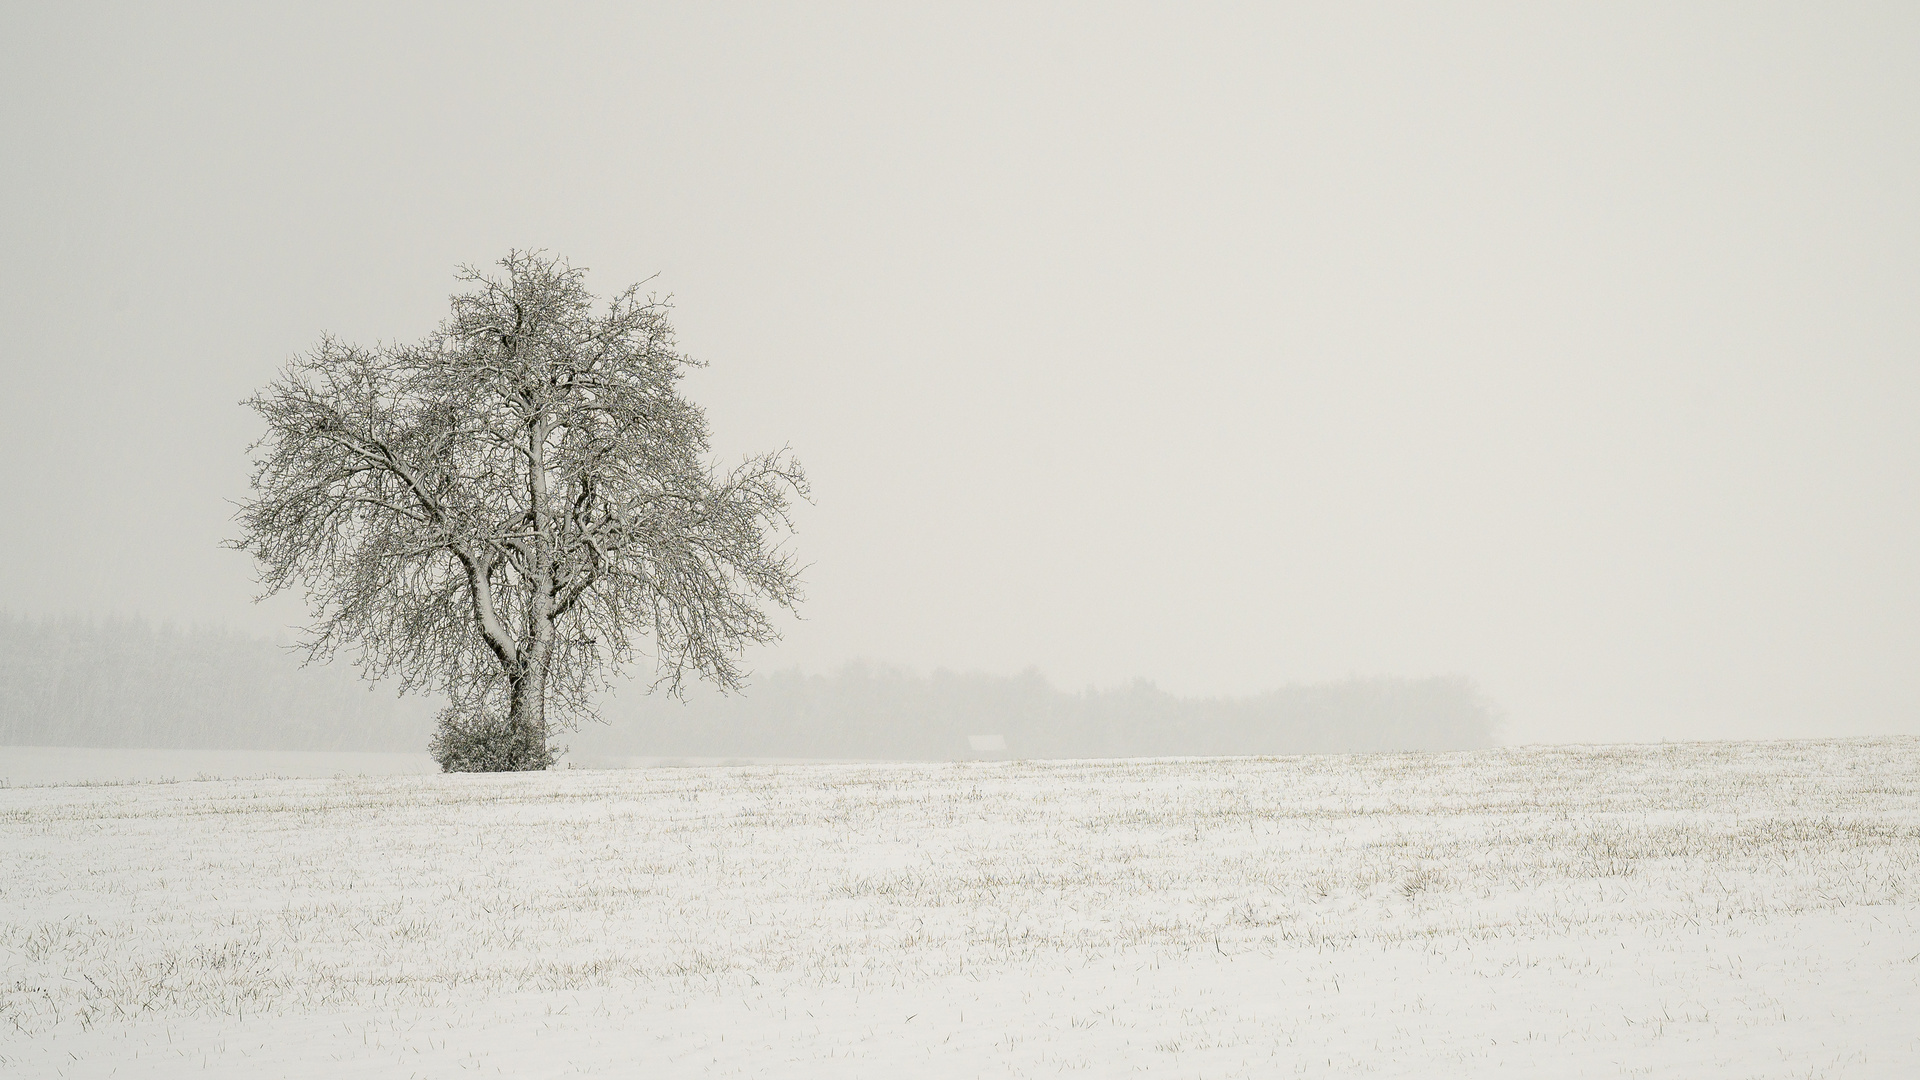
505 510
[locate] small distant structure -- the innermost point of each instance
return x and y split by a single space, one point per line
988 746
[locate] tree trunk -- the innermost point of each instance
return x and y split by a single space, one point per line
527 716
527 719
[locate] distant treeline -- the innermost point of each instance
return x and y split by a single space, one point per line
126 683
878 712
79 682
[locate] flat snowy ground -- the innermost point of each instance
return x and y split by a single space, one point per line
1732 909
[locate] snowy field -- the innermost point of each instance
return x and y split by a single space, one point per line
1687 910
39 765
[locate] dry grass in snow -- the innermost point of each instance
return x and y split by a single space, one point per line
1737 909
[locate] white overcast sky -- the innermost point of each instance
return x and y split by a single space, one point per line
1568 347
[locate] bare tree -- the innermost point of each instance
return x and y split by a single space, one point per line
500 511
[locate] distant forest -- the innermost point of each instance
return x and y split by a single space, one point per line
126 683
882 712
78 682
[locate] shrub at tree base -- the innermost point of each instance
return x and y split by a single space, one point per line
468 739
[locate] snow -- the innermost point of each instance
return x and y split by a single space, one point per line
1740 909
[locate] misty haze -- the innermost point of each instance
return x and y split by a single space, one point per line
867 539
